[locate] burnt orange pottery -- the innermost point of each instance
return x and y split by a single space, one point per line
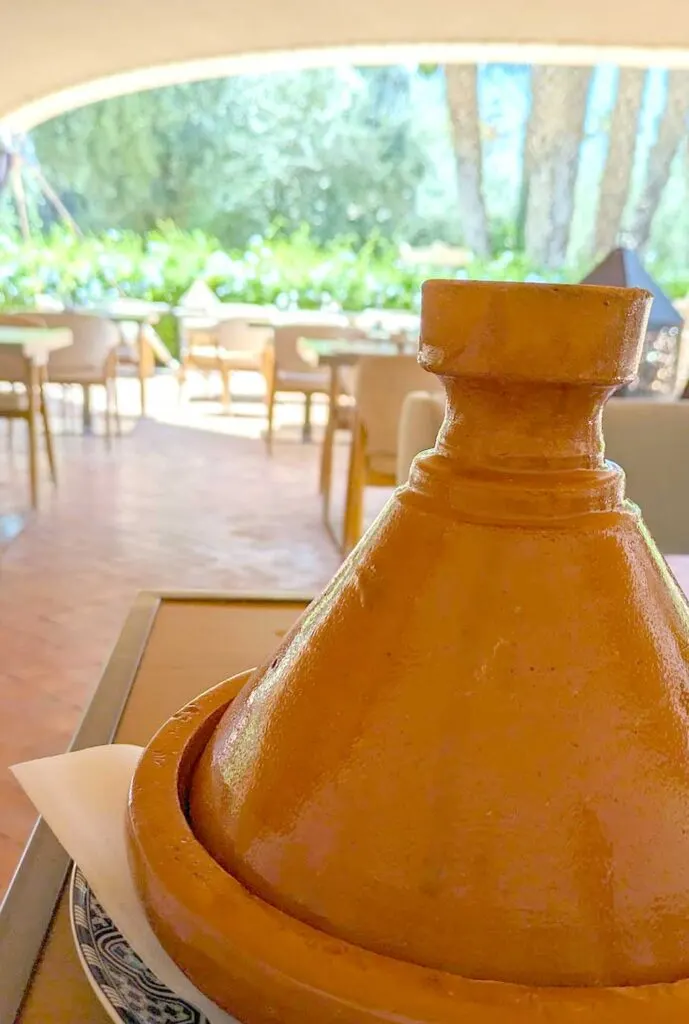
460 790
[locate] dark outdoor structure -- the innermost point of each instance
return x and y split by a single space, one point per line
659 367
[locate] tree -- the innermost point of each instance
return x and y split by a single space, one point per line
461 82
554 135
619 162
333 148
671 131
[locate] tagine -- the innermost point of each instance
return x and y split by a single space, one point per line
459 791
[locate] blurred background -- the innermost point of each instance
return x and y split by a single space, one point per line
344 187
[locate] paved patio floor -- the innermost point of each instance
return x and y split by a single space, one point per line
186 499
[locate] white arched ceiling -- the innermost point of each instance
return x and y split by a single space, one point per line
60 54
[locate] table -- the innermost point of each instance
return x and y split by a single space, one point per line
172 647
210 316
34 344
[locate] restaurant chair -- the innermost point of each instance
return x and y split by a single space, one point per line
90 361
287 371
648 438
140 346
233 345
382 384
26 398
198 315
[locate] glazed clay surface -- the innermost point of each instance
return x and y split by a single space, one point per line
471 753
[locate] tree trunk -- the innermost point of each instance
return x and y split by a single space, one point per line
461 82
671 131
617 174
551 160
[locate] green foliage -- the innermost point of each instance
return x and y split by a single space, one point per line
353 152
289 270
331 147
94 269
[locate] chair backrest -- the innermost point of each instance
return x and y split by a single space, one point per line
241 336
650 441
199 298
383 382
197 317
286 341
94 338
22 320
13 365
420 420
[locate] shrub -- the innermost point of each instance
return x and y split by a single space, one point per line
290 271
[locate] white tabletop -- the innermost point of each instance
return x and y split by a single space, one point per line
134 310
36 342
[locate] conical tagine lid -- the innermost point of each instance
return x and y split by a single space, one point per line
472 752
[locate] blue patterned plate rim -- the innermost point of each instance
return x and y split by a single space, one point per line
128 990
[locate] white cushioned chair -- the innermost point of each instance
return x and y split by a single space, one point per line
649 439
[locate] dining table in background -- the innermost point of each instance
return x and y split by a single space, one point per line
208 318
35 345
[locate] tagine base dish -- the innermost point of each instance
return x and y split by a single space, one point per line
261 965
127 989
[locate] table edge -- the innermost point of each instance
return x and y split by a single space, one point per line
29 904
38 340
34 890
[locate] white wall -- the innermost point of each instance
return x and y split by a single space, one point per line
58 55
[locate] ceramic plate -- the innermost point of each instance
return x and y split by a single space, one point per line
127 989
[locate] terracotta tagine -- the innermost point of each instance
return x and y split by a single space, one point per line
459 791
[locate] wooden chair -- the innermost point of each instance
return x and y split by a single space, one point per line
232 345
90 361
341 411
287 371
26 398
381 387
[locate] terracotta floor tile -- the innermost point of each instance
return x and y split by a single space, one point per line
187 499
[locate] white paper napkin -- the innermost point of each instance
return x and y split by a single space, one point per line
83 798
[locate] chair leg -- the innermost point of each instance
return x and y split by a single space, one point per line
306 430
328 443
356 482
108 419
327 470
87 417
226 376
50 450
64 408
272 395
142 346
116 406
181 378
31 389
